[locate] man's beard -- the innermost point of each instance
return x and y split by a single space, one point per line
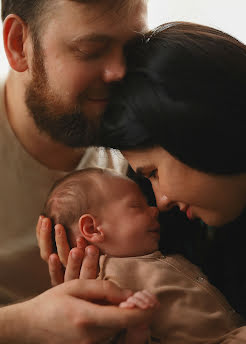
65 125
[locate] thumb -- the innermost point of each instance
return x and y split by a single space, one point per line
98 291
118 318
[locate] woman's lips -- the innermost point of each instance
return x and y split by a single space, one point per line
187 210
189 213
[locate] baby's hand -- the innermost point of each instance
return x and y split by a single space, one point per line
142 299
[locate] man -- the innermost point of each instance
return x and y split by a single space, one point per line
64 55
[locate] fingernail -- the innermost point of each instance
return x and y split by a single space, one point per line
91 251
74 255
44 224
53 259
58 230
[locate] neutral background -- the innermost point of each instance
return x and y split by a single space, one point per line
227 15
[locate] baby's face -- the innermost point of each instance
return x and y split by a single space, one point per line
130 226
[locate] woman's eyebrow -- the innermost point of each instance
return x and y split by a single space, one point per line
142 170
145 170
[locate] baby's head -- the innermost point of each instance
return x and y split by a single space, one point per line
107 209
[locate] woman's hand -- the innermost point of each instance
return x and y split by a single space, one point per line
80 262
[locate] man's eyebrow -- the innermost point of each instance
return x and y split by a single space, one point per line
92 37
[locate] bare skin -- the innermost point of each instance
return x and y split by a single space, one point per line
82 48
75 315
56 316
82 262
72 260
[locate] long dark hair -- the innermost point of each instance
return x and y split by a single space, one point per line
185 90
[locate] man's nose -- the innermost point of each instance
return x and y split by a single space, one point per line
115 68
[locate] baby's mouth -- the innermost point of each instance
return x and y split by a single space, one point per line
155 229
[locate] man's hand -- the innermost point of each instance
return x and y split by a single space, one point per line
80 262
73 312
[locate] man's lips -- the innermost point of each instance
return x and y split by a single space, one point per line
98 102
98 99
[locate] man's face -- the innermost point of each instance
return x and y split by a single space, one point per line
77 58
129 224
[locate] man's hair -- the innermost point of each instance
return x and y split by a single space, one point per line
33 12
30 11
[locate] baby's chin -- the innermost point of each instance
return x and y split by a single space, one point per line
133 252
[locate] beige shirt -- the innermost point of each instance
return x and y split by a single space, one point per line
24 185
192 310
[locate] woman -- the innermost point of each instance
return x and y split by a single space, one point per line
181 123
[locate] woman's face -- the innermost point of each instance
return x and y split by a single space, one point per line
214 199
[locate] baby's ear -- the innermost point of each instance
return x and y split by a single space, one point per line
90 230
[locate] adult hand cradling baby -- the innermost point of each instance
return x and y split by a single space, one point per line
82 264
72 260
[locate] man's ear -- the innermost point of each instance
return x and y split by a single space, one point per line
90 230
15 34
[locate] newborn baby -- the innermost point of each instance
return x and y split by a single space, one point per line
110 212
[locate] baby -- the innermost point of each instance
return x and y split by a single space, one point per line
110 212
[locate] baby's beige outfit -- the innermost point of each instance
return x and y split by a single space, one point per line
192 310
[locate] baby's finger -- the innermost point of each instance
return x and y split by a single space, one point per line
152 298
142 299
141 303
56 270
45 239
62 245
75 259
89 267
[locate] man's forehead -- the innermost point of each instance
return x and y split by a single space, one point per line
130 14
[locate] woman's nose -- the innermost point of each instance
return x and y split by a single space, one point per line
163 203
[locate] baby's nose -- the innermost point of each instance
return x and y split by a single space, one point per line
155 211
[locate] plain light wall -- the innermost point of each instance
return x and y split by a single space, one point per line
227 15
